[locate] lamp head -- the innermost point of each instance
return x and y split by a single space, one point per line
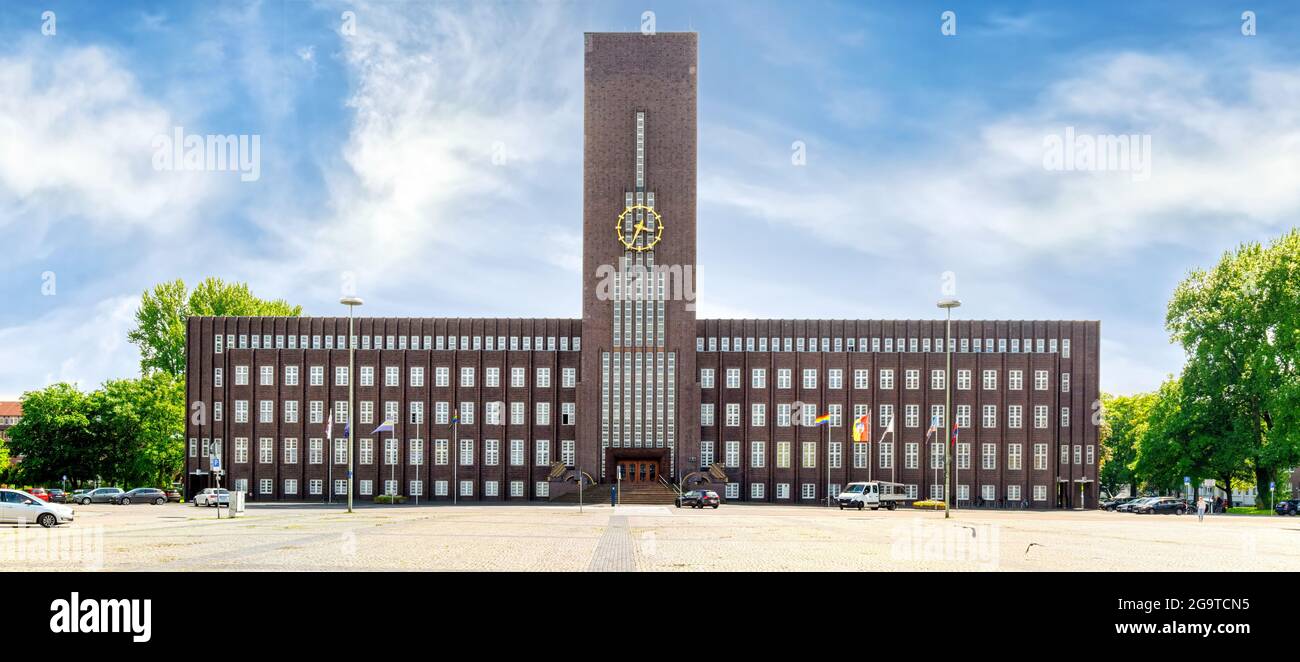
351 301
949 303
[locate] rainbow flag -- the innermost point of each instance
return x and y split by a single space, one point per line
862 428
824 418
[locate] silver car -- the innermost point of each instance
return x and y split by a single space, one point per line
101 495
21 507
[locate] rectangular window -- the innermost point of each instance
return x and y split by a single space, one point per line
990 380
1040 457
466 455
542 453
731 453
989 456
783 455
808 455
1013 457
886 379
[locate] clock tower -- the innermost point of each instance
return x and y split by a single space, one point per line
638 290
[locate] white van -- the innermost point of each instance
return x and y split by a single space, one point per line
871 494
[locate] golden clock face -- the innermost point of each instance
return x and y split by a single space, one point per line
652 233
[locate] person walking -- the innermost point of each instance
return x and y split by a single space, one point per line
1200 509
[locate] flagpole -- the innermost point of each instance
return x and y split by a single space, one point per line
947 304
455 464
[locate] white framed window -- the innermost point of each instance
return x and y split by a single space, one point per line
963 455
756 491
731 454
241 375
1040 493
733 377
911 379
543 413
315 486
441 451
937 380
1013 492
367 375
758 378
783 490
417 376
467 376
415 451
316 451
542 489
466 455
808 455
241 450
758 414
1013 457
1015 380
809 491
989 456
1065 417
989 492
911 454
1040 457
783 455
861 378
316 375
366 454
990 417
783 378
516 488
809 378
911 416
733 414
886 379
1040 380
835 378
542 452
886 454
290 451
1013 417
290 486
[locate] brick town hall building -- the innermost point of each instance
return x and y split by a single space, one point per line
638 384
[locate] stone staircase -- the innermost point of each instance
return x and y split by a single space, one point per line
646 494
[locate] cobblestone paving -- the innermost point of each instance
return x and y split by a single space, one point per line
615 550
648 538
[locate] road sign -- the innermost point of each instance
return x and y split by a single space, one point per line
1187 480
1272 486
216 463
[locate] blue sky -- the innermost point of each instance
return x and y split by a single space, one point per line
924 156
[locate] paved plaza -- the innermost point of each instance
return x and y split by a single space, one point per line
644 538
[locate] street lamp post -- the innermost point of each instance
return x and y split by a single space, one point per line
947 304
351 302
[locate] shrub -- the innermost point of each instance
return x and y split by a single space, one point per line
384 498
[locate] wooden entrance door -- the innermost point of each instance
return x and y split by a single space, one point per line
639 471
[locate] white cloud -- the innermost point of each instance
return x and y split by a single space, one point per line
83 345
76 145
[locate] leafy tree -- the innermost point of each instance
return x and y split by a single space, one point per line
1124 423
53 436
1239 324
139 425
160 319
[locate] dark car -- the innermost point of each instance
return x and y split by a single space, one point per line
1288 507
58 496
142 495
699 499
173 495
1113 504
1162 506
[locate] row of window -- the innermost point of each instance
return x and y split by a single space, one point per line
442 413
392 376
810 451
862 379
978 345
805 414
489 343
808 491
289 448
414 488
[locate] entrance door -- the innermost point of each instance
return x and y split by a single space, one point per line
639 471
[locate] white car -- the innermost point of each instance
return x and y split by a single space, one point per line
212 496
22 507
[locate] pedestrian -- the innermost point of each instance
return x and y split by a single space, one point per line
1200 509
1218 504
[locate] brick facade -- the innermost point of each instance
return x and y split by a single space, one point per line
640 145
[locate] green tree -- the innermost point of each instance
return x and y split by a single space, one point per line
139 424
1239 324
1124 423
53 436
160 319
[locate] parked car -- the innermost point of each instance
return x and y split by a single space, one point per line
142 495
1128 506
1287 507
100 495
58 496
1162 506
699 499
173 495
40 493
1112 504
209 496
23 507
